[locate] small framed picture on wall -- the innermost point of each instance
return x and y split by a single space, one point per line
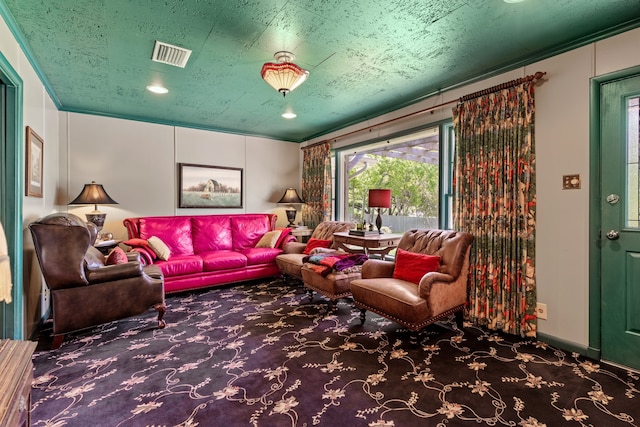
35 164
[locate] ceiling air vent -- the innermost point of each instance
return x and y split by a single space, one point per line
170 54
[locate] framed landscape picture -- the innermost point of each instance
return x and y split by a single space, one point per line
35 163
204 186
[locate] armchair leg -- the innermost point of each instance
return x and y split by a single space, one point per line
363 315
310 295
57 341
161 309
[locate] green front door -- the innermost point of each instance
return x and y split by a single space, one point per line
620 213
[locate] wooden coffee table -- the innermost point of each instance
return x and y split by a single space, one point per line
378 244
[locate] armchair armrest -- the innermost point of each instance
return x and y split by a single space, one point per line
294 247
111 273
375 268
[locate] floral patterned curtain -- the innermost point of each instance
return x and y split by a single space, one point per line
495 200
316 184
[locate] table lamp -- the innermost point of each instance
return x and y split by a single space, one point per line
94 194
290 197
379 198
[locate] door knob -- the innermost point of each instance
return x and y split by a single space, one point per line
613 235
612 199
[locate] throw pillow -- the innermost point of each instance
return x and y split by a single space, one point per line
269 239
411 266
161 250
117 256
316 243
137 243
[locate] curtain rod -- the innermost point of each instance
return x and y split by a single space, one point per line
506 85
503 86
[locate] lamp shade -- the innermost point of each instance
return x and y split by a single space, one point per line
284 76
93 194
379 198
291 196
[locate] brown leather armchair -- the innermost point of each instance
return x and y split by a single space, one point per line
84 291
438 295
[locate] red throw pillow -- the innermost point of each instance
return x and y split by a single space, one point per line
316 243
135 242
411 266
117 256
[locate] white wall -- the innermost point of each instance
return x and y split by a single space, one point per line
41 115
562 148
136 163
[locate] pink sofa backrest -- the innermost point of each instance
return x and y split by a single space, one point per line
190 234
248 229
211 233
174 231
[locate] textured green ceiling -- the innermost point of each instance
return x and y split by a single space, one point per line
365 57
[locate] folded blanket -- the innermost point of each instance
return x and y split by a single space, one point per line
324 263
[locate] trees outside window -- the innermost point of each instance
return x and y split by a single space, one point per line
409 167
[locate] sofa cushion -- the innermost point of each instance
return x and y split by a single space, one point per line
248 229
211 233
180 265
412 266
222 260
257 256
174 231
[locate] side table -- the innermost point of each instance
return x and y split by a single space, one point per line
302 233
16 371
378 244
105 246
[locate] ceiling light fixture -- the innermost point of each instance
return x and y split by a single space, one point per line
289 115
284 76
157 89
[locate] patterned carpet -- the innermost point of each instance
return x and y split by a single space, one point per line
261 355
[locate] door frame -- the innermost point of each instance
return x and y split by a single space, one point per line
595 217
11 191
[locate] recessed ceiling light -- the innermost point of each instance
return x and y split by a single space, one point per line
157 89
513 1
289 115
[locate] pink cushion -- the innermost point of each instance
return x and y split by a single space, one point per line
248 229
180 265
411 266
174 231
316 243
223 260
117 256
211 233
257 256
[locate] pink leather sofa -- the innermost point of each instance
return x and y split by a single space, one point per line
209 250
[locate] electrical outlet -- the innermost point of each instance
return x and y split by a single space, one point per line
541 311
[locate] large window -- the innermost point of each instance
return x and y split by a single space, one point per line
415 167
